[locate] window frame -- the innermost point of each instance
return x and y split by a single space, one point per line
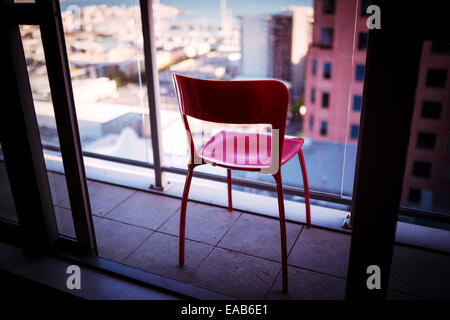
328 7
31 14
362 43
327 74
323 128
352 131
314 67
356 97
330 33
358 76
364 5
326 96
431 82
429 114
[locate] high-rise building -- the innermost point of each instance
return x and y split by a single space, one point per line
302 18
256 47
280 39
335 70
226 23
275 46
335 66
427 174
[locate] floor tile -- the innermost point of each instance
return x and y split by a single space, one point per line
7 208
116 240
146 210
64 221
103 197
4 181
58 188
236 274
259 236
322 250
159 254
421 273
204 223
308 285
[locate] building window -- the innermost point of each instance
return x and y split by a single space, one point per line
440 46
447 173
327 36
436 78
313 95
359 74
414 195
357 101
311 123
328 7
364 5
426 140
354 130
362 40
431 110
325 100
323 128
327 70
421 169
314 67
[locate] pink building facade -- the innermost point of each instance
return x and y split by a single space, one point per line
426 183
335 71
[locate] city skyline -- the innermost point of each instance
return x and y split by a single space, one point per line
215 60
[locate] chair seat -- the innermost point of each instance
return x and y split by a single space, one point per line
246 150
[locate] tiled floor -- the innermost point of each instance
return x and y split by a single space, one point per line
7 209
236 253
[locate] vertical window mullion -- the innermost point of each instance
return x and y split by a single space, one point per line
53 42
21 145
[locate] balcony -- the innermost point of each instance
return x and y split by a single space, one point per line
127 128
235 254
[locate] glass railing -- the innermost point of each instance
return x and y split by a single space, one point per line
227 40
105 50
241 40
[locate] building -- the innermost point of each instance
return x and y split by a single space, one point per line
266 43
256 48
427 175
281 43
335 71
334 84
302 18
100 221
275 46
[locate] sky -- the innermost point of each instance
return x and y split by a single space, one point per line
206 11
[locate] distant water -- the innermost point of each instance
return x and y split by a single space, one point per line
205 11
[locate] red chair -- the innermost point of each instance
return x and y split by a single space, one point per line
241 102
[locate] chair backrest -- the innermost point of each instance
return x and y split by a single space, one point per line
234 102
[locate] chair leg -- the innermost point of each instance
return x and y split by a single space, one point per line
187 185
282 232
230 202
306 187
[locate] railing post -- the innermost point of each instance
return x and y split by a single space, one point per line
151 72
